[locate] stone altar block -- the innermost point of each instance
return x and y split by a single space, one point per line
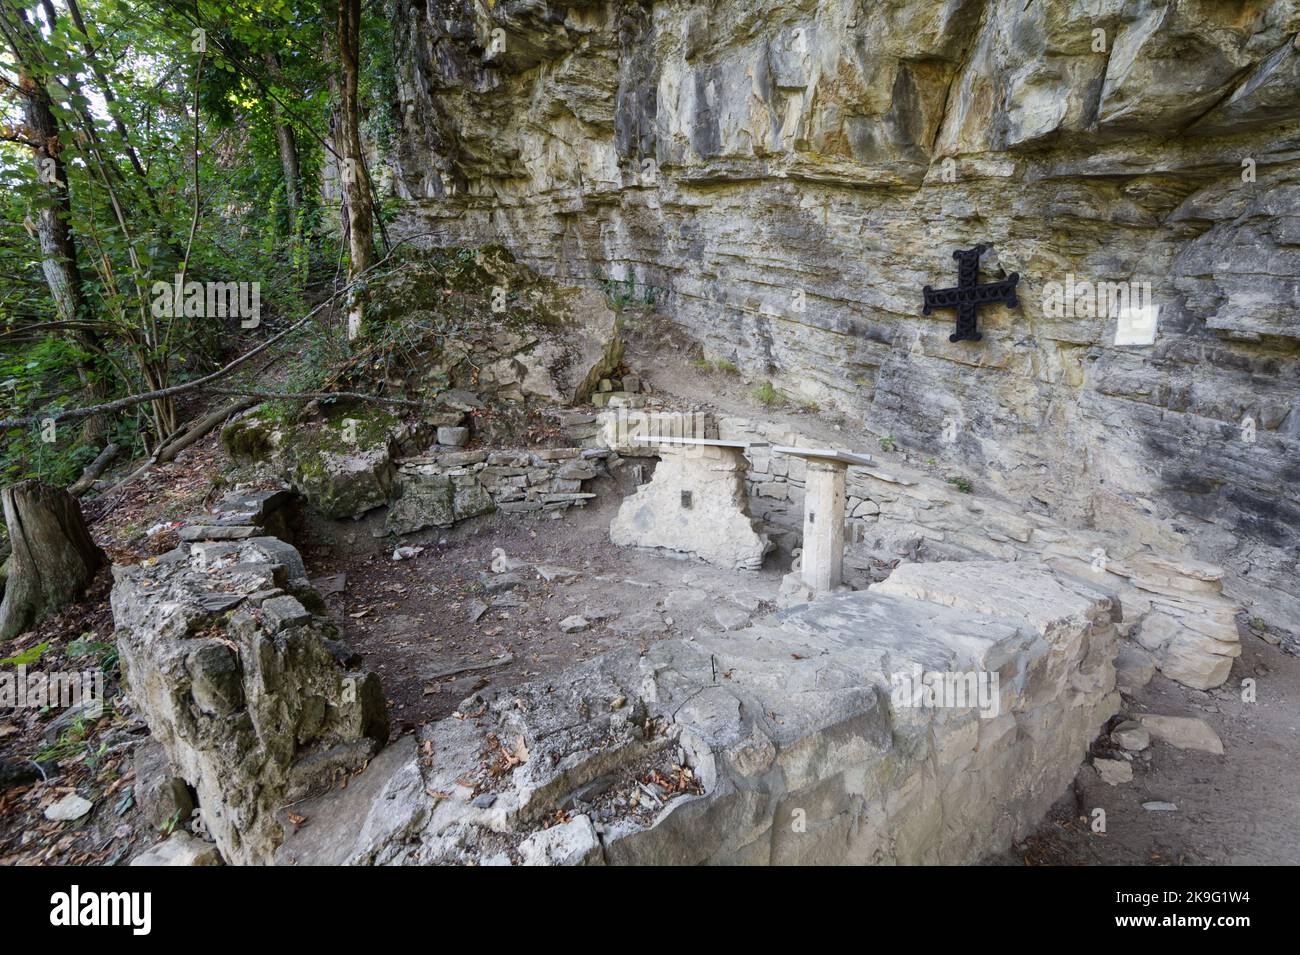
696 504
821 565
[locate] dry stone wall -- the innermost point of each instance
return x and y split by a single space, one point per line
439 490
228 655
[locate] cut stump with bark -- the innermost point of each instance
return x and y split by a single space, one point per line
54 558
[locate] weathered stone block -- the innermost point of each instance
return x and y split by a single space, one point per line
256 712
695 504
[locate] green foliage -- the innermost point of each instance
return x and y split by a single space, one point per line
171 822
104 651
28 657
720 365
887 443
962 484
124 96
70 743
623 293
767 394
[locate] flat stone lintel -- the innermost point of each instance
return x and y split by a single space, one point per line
706 442
828 455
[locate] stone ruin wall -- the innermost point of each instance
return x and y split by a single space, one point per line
775 176
1178 618
800 744
229 655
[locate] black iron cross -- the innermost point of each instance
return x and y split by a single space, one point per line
969 294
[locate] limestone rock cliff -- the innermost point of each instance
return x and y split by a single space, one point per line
784 176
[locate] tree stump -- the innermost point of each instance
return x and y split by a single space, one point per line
54 557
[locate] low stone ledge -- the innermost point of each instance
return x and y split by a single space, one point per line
797 740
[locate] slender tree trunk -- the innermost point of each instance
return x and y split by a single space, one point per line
54 558
288 162
288 143
360 211
58 246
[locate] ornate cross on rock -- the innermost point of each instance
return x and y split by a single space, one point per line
969 294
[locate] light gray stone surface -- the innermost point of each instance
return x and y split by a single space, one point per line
252 705
1132 735
799 747
1114 772
182 849
695 505
1184 732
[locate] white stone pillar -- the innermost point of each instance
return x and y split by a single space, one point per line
822 562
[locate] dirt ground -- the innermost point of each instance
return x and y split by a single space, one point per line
424 622
1241 808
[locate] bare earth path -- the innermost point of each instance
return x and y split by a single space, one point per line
1241 808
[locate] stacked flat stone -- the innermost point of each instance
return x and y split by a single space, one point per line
439 490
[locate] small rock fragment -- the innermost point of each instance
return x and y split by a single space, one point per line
68 808
1184 732
1132 735
574 624
552 572
180 848
1113 771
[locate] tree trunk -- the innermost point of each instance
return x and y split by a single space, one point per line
58 247
54 558
289 163
361 241
288 145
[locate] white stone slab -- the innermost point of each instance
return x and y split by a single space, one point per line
707 442
825 454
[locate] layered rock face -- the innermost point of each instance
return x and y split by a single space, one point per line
783 178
